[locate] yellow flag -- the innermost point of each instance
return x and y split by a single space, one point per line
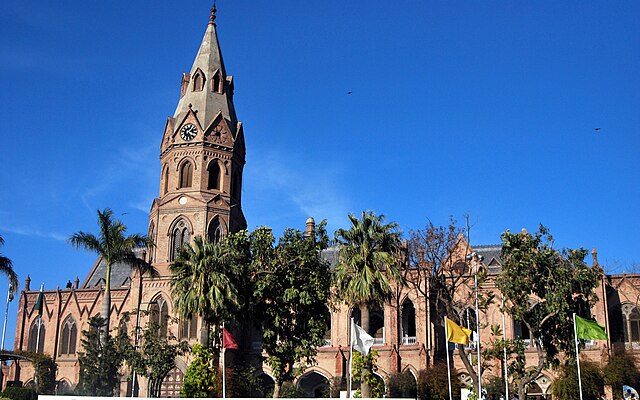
457 333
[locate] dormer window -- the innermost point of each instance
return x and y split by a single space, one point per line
216 83
198 81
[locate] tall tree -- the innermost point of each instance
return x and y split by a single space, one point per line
113 246
368 265
202 284
6 267
437 269
156 358
292 288
100 360
543 287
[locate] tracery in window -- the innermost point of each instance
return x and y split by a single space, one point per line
37 335
69 337
179 236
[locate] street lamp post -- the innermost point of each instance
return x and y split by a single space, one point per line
6 314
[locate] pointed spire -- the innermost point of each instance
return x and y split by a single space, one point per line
208 89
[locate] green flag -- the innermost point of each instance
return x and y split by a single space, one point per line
39 304
588 329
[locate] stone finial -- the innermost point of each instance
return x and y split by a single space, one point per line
27 283
310 227
594 254
76 283
212 17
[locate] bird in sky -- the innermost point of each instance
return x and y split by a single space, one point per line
349 92
596 129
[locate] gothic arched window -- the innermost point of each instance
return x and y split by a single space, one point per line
165 188
216 83
186 175
160 315
214 175
37 334
179 237
214 234
408 322
189 328
327 333
151 249
631 325
69 336
198 81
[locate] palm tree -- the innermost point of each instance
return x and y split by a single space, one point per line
367 264
112 246
202 284
6 267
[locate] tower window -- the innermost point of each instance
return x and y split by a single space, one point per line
189 328
69 337
216 83
179 237
198 81
186 175
214 175
166 180
160 315
215 231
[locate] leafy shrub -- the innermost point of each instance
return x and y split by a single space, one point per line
621 370
201 379
20 393
433 383
402 385
566 386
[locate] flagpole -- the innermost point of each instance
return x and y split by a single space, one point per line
475 276
40 321
504 351
224 367
350 356
446 335
575 333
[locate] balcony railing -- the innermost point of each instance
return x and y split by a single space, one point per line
378 341
408 340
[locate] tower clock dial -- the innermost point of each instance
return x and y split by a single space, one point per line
188 132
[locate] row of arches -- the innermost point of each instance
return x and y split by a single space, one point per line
216 171
68 336
181 234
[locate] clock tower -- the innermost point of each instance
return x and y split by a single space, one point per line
202 155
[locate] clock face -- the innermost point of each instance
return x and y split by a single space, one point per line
188 132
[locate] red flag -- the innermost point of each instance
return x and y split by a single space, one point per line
228 342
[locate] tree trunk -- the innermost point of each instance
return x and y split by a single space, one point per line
276 390
365 389
106 304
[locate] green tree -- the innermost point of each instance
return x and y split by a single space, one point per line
291 293
113 246
402 385
156 358
566 385
542 288
362 373
6 267
621 370
201 379
100 360
433 383
367 266
45 372
202 284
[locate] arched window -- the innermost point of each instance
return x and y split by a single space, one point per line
179 236
408 322
376 325
216 83
37 335
151 249
198 81
214 234
214 175
165 188
186 175
356 314
69 337
327 334
631 325
189 328
160 315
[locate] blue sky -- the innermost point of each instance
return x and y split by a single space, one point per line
457 107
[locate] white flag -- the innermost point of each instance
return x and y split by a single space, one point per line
360 340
